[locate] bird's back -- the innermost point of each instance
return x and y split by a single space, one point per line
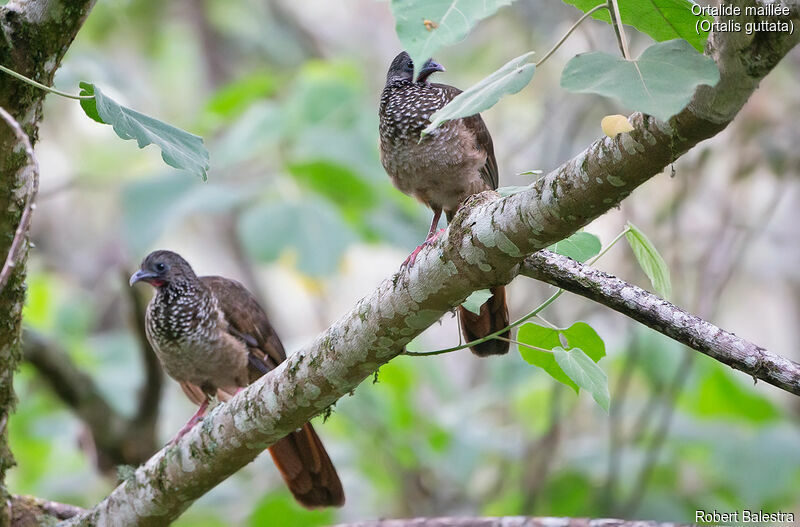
444 167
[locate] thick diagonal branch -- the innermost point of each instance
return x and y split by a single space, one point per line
664 317
485 245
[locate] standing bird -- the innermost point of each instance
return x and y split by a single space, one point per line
441 170
212 337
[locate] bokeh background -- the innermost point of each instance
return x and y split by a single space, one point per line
298 207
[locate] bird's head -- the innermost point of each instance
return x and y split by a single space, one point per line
161 268
402 68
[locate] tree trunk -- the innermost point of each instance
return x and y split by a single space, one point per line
34 36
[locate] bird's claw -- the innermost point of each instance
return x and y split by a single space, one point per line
409 261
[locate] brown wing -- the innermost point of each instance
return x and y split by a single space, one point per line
248 322
300 456
483 138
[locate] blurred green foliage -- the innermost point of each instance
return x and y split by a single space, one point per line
286 99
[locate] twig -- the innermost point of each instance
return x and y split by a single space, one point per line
41 86
665 318
569 32
33 187
616 22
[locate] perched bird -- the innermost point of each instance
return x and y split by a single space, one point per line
441 170
212 337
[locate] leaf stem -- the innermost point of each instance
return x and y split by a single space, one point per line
616 22
41 86
569 32
541 307
518 343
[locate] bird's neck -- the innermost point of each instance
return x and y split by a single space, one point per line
182 309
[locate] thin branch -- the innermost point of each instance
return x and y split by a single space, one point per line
12 259
569 32
29 510
665 318
616 22
41 86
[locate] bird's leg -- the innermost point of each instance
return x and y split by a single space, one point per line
196 418
432 235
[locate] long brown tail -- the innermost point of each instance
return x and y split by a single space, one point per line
308 471
494 316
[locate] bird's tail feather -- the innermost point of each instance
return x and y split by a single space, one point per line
308 471
493 316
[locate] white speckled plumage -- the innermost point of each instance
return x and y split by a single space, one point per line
443 168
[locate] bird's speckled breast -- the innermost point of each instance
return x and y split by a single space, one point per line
188 333
443 168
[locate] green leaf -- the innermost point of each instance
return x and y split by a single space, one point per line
580 246
720 394
179 148
425 26
661 19
511 78
279 508
649 260
336 182
235 97
585 373
578 335
312 230
476 300
660 82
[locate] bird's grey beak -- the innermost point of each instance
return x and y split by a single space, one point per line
141 274
429 67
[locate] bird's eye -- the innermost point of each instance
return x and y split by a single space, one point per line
160 267
409 65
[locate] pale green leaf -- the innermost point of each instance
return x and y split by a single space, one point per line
511 78
578 335
179 148
476 300
425 26
660 82
585 373
649 260
580 246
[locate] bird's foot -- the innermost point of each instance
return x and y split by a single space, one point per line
196 418
409 261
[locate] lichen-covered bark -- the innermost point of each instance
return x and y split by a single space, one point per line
664 317
34 36
484 245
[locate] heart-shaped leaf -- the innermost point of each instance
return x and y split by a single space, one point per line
578 335
511 78
585 373
650 260
179 148
425 26
580 246
660 82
